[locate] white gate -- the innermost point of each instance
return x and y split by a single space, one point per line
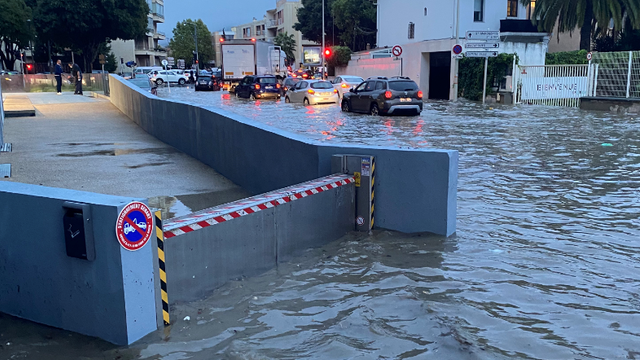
554 85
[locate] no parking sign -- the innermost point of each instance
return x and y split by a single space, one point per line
134 226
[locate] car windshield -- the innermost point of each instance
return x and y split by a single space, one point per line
291 81
321 85
352 79
268 80
143 83
403 85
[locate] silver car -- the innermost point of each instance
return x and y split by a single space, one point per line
344 83
312 92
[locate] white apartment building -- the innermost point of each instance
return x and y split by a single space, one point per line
275 21
144 51
427 30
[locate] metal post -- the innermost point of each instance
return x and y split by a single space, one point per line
484 84
1 117
629 73
169 82
595 81
457 62
323 44
514 81
195 26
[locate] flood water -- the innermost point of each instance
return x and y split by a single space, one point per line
545 263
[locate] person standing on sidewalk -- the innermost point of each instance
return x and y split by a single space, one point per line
58 74
77 74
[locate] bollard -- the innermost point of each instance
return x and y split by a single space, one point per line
362 167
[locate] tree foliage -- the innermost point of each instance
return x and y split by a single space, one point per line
85 25
287 43
183 42
15 30
585 14
340 56
310 21
356 20
567 58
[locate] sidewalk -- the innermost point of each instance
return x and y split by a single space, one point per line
84 143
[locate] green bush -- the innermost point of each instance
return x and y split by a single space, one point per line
471 74
567 58
340 56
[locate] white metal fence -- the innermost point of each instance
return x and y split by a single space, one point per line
611 74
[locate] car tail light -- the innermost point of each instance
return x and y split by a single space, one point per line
286 88
344 86
257 86
277 86
311 91
419 94
388 94
335 91
305 76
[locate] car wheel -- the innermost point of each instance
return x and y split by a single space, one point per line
181 81
252 96
287 100
306 102
159 81
375 110
345 106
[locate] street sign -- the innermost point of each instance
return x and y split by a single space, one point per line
457 49
181 64
134 226
481 54
483 35
396 50
165 62
102 59
482 45
589 56
459 56
171 61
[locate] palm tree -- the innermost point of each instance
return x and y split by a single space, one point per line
288 44
587 14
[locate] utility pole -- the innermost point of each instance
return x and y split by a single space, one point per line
195 27
457 62
323 54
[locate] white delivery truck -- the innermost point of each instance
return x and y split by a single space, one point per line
242 57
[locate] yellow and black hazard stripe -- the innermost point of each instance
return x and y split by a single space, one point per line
163 270
373 189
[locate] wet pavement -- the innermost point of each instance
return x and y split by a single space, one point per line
545 263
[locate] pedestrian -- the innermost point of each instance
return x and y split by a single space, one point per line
58 75
191 78
77 74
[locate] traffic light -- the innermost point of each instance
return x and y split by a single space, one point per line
327 52
195 58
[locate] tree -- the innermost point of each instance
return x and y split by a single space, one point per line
15 30
586 14
288 44
340 56
310 21
183 42
356 20
84 25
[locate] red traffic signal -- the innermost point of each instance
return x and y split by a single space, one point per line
327 52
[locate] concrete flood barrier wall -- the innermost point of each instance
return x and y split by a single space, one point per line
111 297
415 188
206 249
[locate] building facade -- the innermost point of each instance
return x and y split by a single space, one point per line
427 30
144 51
275 21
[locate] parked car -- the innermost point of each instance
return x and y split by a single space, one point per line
145 83
381 95
147 69
288 83
183 73
344 83
312 92
161 77
258 87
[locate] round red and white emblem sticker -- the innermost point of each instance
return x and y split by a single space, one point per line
134 226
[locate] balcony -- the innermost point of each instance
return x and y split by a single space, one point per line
157 17
518 26
159 35
272 24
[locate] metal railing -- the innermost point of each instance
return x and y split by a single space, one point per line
554 85
618 74
47 83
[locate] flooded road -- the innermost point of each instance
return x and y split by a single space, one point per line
545 263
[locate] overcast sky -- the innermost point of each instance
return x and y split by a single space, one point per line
215 13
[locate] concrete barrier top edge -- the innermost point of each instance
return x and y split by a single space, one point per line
64 194
284 133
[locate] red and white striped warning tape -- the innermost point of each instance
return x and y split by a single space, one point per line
205 218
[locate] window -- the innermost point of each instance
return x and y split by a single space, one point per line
478 10
362 86
412 30
403 85
322 85
512 8
531 9
371 85
380 85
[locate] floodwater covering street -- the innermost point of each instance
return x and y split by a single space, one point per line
545 263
